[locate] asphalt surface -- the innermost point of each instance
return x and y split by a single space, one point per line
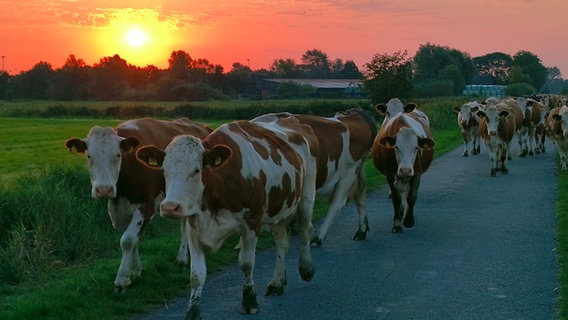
482 248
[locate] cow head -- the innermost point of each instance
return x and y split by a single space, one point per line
183 163
104 150
492 117
467 114
394 107
407 145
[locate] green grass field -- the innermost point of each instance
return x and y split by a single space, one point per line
59 269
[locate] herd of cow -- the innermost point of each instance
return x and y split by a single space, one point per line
496 121
267 172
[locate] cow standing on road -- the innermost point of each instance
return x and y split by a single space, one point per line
496 128
468 121
557 129
402 152
132 189
344 143
240 177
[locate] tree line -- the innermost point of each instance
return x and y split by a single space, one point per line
434 71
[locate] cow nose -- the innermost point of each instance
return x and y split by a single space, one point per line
492 133
405 172
170 209
102 192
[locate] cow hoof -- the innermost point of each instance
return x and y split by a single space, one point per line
397 229
360 235
316 242
493 173
249 304
274 290
307 271
465 154
120 290
504 170
523 154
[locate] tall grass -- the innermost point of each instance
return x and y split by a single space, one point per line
44 218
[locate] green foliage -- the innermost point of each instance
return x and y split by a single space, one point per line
533 71
388 76
562 240
520 89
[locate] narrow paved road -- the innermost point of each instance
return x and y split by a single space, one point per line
482 248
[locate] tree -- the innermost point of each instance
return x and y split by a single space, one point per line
534 72
110 78
71 80
388 76
179 64
431 60
494 66
35 83
286 68
239 80
350 71
316 64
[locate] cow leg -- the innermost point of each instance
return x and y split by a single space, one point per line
183 252
130 262
396 203
276 285
360 195
408 221
198 273
249 304
465 139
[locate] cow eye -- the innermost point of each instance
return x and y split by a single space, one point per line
194 173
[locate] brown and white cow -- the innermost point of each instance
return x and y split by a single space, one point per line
402 152
468 121
537 133
557 130
240 177
344 144
132 189
496 128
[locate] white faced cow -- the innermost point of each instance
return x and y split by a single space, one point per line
240 177
497 128
393 107
402 152
132 189
557 129
468 120
344 143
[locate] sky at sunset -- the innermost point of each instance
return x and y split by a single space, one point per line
256 32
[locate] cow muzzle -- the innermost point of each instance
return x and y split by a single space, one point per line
405 172
169 209
492 133
104 192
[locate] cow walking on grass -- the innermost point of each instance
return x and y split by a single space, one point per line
132 189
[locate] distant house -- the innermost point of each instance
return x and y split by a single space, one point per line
484 90
333 88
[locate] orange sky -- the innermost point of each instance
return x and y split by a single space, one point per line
256 32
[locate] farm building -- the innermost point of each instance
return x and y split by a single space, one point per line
484 90
336 88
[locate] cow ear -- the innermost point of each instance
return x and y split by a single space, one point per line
388 142
556 117
474 109
456 109
481 114
426 143
381 109
216 156
503 113
76 145
129 144
151 156
409 107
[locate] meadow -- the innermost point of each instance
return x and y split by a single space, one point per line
58 252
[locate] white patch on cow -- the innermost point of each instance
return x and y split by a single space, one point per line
104 159
183 166
130 125
130 264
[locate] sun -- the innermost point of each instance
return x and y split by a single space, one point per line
136 37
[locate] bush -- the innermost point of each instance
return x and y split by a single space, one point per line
520 89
